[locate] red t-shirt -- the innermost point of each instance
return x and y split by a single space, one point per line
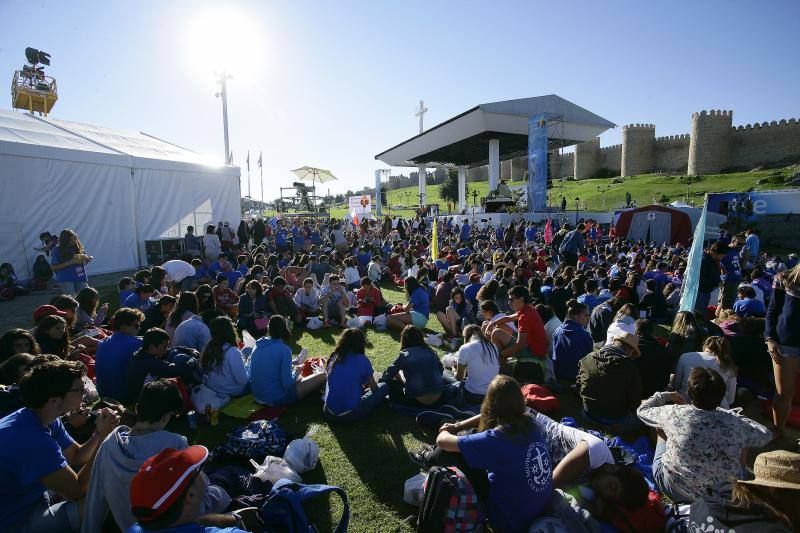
368 308
530 323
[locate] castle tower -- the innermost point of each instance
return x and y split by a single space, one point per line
709 144
637 149
587 155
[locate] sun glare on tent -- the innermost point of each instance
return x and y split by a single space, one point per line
223 39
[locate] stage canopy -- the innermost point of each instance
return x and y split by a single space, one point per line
465 138
116 189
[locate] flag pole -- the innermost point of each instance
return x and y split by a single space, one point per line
261 169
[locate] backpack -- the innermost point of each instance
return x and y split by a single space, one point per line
283 512
187 359
449 503
256 440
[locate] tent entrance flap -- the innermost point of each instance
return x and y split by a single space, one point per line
651 226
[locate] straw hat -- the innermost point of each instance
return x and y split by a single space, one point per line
631 340
780 469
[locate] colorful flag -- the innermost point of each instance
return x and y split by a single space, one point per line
434 242
355 217
548 232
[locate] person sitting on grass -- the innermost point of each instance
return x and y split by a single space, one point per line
141 298
252 304
747 305
307 300
478 364
415 377
272 380
16 341
121 455
167 495
114 353
369 300
530 345
194 333
417 309
149 362
700 447
610 386
571 341
333 300
227 301
185 308
37 454
88 315
348 371
457 315
507 459
279 300
375 269
716 354
224 373
158 314
491 313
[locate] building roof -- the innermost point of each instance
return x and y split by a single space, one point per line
464 139
27 135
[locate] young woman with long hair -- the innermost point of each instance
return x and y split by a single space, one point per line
782 332
507 459
417 309
185 308
478 364
716 354
52 335
68 261
457 314
16 341
205 298
224 372
421 383
88 315
348 371
687 335
273 380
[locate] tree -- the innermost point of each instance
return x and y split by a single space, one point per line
448 190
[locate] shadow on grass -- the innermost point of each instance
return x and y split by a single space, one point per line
377 452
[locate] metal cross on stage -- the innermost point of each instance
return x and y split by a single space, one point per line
422 111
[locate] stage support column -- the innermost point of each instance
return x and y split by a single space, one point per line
462 187
378 192
494 164
422 197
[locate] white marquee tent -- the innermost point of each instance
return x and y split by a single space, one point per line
116 189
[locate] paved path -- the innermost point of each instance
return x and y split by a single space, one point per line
18 313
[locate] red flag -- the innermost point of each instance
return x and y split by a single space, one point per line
548 232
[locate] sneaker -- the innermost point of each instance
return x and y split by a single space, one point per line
433 420
418 458
455 412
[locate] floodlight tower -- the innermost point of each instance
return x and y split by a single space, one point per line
222 79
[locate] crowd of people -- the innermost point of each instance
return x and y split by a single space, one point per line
89 395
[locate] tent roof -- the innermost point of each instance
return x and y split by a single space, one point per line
27 135
464 139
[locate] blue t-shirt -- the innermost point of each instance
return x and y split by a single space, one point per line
520 475
421 302
465 232
733 273
243 269
471 291
213 268
187 528
749 307
343 389
270 370
68 274
134 301
28 452
233 276
364 259
498 233
280 237
590 300
111 364
123 295
530 233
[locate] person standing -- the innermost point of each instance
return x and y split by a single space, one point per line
191 242
212 244
69 260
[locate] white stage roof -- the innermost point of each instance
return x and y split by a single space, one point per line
464 139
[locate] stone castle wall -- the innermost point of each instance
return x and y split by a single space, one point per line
671 154
758 144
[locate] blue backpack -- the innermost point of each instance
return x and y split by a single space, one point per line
283 511
256 440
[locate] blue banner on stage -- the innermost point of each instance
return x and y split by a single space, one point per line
537 163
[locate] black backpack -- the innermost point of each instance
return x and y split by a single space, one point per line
449 504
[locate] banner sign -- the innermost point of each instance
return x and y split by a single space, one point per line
748 206
691 280
378 192
537 163
360 204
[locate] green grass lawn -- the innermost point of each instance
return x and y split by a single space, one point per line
644 189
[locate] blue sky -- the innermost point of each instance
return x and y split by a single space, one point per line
331 84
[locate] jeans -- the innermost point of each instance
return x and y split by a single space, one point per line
45 518
664 480
369 401
72 287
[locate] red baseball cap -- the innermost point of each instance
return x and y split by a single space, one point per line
47 310
163 479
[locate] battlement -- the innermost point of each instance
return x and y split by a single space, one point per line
611 148
639 127
783 122
683 137
716 113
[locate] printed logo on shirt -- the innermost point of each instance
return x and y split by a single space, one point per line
537 467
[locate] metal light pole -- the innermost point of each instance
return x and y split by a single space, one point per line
222 79
577 208
603 189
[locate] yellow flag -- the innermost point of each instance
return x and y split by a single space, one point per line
434 242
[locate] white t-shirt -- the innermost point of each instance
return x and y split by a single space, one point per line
177 270
479 372
620 327
563 439
351 275
498 316
690 360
